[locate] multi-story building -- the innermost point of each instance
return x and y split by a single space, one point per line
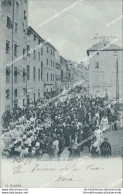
14 22
35 62
58 73
77 74
82 72
105 70
70 73
63 62
30 66
49 67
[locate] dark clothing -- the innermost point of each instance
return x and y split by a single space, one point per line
73 131
94 151
67 141
74 152
105 149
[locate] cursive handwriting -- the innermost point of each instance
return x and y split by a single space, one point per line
61 179
93 167
18 170
38 169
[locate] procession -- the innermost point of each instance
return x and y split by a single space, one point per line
60 128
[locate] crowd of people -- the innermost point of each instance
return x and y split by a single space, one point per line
61 128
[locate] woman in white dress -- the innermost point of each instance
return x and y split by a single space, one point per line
99 136
55 145
104 123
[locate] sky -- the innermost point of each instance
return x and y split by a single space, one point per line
71 25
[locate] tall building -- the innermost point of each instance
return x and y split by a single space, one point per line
49 67
82 72
14 21
63 62
71 69
58 73
105 70
35 62
30 66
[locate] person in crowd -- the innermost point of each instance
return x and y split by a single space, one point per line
48 127
55 145
99 135
105 148
95 148
67 135
74 150
104 123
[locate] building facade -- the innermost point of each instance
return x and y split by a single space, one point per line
58 73
64 74
31 66
70 74
105 70
35 62
14 23
82 72
49 68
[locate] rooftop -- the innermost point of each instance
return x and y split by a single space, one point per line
34 32
43 40
104 46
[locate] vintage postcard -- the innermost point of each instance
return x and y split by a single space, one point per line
61 97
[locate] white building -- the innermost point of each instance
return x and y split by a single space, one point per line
64 79
13 42
49 68
35 61
103 61
58 72
28 70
